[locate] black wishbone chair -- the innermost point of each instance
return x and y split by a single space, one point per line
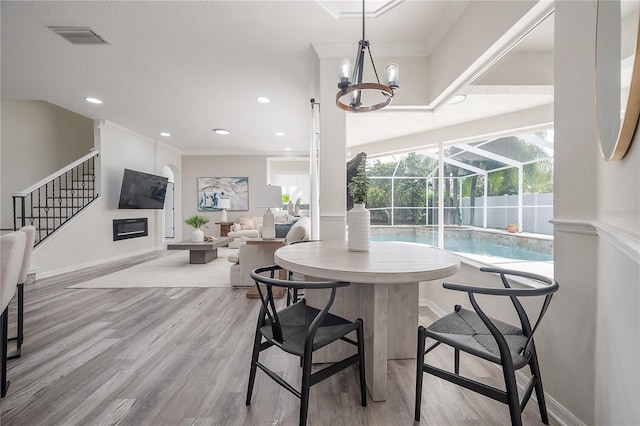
476 333
299 330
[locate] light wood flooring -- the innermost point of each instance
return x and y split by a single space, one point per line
170 356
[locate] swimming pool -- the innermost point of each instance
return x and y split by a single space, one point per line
472 246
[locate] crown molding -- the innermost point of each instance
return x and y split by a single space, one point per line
331 7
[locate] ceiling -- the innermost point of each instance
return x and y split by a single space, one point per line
187 67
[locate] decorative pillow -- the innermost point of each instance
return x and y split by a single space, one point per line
246 222
282 229
236 227
298 231
281 217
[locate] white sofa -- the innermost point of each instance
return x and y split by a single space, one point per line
242 229
250 257
251 227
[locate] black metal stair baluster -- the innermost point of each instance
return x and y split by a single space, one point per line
36 211
56 197
31 215
67 193
15 216
47 209
93 178
73 194
84 185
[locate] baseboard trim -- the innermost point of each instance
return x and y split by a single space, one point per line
556 410
95 263
426 302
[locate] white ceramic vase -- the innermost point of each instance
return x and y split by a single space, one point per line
197 236
358 220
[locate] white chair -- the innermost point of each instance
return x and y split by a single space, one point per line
11 254
30 233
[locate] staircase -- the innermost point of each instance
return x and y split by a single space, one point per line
53 201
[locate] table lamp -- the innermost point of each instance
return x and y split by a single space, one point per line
269 196
224 204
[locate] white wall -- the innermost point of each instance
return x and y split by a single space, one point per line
38 138
618 296
589 341
575 206
332 169
293 175
603 200
469 44
88 239
194 166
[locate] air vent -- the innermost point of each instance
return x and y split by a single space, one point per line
79 35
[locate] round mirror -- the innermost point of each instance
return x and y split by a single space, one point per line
617 75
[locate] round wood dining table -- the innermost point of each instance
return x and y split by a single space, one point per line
384 293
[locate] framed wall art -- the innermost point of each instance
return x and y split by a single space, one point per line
212 189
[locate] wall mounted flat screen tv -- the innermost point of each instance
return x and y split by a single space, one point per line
142 190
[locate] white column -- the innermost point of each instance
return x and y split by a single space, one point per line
332 169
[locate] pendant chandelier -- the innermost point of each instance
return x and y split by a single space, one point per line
352 85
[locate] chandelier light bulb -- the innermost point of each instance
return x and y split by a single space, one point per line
354 97
392 73
344 72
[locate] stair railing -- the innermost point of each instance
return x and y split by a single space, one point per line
53 201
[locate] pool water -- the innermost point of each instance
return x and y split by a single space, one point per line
471 246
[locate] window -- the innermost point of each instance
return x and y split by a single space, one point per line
486 185
292 174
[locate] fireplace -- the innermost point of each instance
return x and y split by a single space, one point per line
130 228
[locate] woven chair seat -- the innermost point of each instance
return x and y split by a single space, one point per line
295 321
466 331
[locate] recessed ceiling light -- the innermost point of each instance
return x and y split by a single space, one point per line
287 149
93 100
263 99
165 134
456 99
279 134
222 131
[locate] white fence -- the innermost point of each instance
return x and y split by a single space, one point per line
537 211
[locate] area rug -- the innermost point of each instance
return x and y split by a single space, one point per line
173 270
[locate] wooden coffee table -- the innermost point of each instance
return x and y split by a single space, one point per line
203 252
